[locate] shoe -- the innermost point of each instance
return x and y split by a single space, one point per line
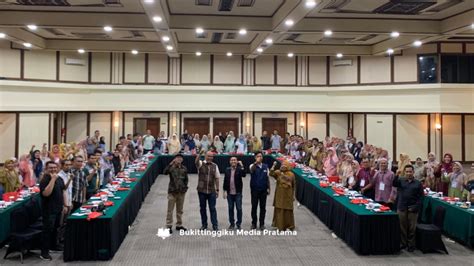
262 227
171 229
253 227
46 257
181 228
411 249
231 227
215 228
203 228
238 227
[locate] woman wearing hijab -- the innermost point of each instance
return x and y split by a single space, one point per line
9 178
256 145
431 171
330 162
468 193
404 161
445 169
419 170
26 171
455 180
197 142
229 144
190 145
241 145
352 180
173 145
102 143
217 145
55 154
345 170
205 143
283 217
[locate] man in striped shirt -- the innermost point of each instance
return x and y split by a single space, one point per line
79 183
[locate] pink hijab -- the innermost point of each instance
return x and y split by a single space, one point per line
330 168
26 171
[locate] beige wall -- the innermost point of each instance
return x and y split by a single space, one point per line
316 125
100 67
380 131
405 68
340 75
358 128
40 65
317 70
469 137
33 130
290 120
264 70
157 68
452 142
7 134
286 70
130 116
412 135
101 122
338 125
10 61
196 69
374 69
134 68
227 70
76 126
78 73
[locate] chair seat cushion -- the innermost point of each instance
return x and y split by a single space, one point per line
28 233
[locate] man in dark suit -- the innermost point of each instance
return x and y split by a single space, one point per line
233 190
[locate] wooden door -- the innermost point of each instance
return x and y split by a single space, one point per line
199 125
140 125
271 124
225 125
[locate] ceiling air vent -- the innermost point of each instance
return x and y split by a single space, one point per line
216 37
292 37
55 32
112 3
43 2
443 6
226 5
204 2
335 6
246 3
404 7
230 36
90 35
365 38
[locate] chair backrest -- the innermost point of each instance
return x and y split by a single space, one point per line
19 220
439 217
33 208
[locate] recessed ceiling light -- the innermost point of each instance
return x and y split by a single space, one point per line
339 55
417 43
310 3
328 32
269 41
242 31
260 49
81 51
27 44
165 38
390 51
289 22
169 47
108 28
199 30
290 54
149 1
134 52
157 19
394 34
32 27
2 35
229 54
198 53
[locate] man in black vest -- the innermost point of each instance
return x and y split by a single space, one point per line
233 190
208 189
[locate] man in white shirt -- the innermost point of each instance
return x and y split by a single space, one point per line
148 142
275 140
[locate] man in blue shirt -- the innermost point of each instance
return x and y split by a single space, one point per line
259 189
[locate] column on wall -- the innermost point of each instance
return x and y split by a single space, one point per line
247 123
116 127
301 124
117 68
174 123
248 77
174 71
302 71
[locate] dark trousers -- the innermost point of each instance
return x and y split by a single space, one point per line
258 197
75 206
408 227
235 200
204 199
51 222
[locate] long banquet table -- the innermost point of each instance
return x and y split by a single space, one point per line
99 239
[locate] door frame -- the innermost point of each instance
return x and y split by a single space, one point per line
151 118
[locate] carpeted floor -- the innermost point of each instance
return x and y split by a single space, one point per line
313 244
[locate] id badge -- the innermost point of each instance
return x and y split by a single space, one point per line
362 183
382 186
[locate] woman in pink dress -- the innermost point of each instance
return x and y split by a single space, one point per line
26 171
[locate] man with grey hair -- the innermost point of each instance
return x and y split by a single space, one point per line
208 188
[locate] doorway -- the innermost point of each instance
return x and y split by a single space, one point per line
225 125
198 125
140 125
271 124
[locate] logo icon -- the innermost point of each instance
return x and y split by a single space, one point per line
164 233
